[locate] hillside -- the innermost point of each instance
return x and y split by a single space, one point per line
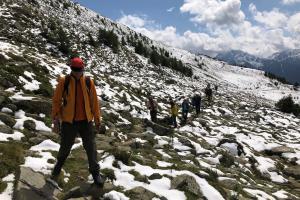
283 64
241 147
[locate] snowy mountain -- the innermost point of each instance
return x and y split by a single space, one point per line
236 57
284 64
241 147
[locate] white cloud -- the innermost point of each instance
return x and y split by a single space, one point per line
214 12
294 24
132 21
272 19
170 9
274 31
289 2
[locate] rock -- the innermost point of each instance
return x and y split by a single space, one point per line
140 193
13 107
279 150
35 140
36 106
228 183
232 142
6 129
186 142
2 99
293 171
103 145
155 176
30 125
7 119
186 183
87 191
32 185
159 129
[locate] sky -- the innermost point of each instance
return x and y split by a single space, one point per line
258 27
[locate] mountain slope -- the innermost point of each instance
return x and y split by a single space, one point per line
284 64
239 148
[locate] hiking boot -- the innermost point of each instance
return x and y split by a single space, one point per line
98 179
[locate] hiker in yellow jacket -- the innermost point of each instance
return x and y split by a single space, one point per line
174 113
75 106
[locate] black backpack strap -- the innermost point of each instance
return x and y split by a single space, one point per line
66 88
88 83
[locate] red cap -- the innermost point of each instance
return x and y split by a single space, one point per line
77 63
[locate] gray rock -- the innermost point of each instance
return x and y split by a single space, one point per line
36 106
7 119
2 99
140 193
186 142
280 150
228 183
87 191
6 129
155 176
186 183
30 125
293 171
13 107
32 185
159 129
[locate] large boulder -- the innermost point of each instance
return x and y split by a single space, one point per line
6 129
7 119
293 171
280 150
186 183
232 146
140 193
32 185
36 106
29 125
159 129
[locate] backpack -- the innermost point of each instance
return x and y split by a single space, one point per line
66 86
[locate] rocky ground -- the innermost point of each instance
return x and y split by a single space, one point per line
240 147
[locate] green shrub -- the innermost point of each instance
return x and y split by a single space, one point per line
287 105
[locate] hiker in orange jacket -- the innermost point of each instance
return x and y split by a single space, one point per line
75 106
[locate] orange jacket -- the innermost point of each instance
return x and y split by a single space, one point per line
67 113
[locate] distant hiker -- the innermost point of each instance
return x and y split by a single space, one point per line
208 93
185 106
174 113
196 102
216 88
152 106
75 105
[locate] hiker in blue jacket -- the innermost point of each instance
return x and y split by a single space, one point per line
185 106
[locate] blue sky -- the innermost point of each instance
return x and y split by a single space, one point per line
259 27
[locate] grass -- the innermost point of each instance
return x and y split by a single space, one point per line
77 165
12 157
2 186
138 176
109 174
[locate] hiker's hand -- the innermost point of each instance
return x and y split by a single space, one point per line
100 129
97 127
56 126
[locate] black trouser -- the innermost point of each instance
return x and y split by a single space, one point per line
153 114
198 109
174 121
68 135
185 115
